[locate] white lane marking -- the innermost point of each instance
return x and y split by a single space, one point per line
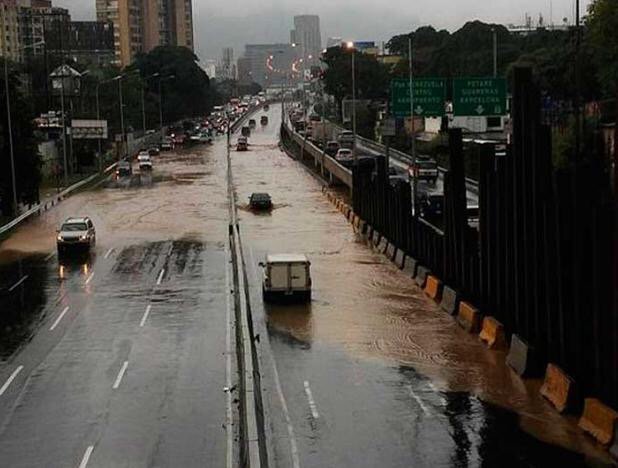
312 405
10 379
120 375
438 393
169 252
228 361
145 316
109 252
66 309
89 279
86 457
50 256
24 278
160 278
286 414
419 401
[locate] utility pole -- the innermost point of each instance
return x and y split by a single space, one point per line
495 47
413 130
10 129
64 133
578 115
123 142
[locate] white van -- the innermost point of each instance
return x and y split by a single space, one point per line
286 276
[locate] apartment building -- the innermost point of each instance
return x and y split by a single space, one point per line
142 25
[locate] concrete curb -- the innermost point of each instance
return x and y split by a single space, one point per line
492 333
47 205
557 387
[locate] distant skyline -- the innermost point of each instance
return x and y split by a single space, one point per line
234 24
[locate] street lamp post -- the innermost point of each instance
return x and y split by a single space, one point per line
413 129
350 46
123 143
161 79
10 123
10 127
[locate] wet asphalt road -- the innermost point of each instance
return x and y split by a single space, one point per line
121 358
370 373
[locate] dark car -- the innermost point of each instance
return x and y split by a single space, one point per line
252 123
246 131
431 206
260 201
124 169
264 120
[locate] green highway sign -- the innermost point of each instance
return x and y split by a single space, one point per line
479 96
429 97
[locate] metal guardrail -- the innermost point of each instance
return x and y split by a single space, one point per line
330 164
44 206
404 158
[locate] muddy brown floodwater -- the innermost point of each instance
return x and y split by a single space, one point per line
364 305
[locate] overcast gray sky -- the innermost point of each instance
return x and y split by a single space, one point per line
235 23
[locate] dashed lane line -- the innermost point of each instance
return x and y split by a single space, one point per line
123 369
145 316
109 252
419 401
160 278
312 405
10 379
16 285
89 279
62 314
86 457
50 256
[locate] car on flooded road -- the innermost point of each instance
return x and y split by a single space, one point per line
260 201
286 277
144 162
264 120
124 169
75 234
241 144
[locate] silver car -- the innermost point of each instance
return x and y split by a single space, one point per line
76 233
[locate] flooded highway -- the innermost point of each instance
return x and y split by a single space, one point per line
123 357
371 373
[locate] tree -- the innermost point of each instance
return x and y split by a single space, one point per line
372 77
602 35
27 158
189 94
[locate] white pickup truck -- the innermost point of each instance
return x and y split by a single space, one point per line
286 276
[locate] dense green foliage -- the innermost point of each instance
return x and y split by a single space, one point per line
27 159
602 36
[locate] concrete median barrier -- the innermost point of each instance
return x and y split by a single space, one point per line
557 387
450 300
521 357
362 227
433 288
469 317
351 216
599 420
400 258
614 448
421 275
492 333
390 251
409 266
381 247
375 239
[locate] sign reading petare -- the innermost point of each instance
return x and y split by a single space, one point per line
429 97
479 96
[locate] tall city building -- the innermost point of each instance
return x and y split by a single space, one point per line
9 22
142 25
307 37
226 69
